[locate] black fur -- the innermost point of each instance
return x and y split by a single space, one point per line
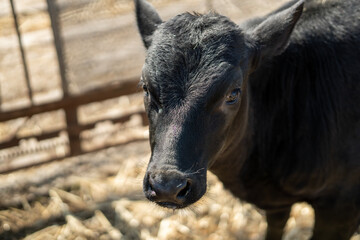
292 135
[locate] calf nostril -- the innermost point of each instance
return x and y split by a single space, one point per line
150 189
184 189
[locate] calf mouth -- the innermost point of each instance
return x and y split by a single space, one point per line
171 205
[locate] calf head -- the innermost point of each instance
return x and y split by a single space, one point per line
195 81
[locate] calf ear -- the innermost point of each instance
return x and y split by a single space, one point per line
147 20
272 34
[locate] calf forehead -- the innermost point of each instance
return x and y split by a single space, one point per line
191 51
196 37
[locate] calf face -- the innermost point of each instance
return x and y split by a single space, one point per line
195 93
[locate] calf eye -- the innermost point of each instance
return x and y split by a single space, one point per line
146 90
233 96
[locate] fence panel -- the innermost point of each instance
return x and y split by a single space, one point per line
91 68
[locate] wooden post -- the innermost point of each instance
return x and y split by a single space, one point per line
23 56
73 132
71 113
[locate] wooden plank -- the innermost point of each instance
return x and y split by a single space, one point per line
55 133
99 94
16 140
11 167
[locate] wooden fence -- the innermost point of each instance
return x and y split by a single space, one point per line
69 102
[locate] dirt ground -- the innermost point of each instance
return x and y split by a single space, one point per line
99 195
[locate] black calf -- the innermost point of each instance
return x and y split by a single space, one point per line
271 106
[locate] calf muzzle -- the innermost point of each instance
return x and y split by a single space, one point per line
169 188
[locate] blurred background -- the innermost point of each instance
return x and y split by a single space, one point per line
73 133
